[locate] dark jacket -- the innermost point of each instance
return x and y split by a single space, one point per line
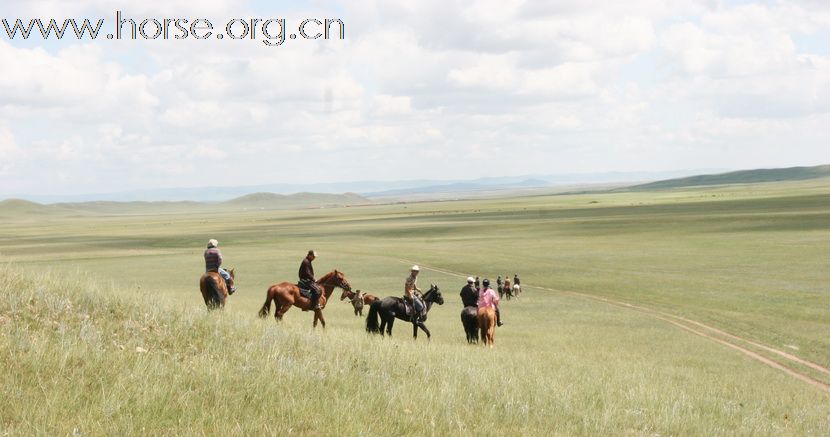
213 259
306 271
469 296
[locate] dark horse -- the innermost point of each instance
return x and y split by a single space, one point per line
393 307
286 294
214 290
469 318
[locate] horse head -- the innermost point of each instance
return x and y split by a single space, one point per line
346 293
434 295
341 281
232 273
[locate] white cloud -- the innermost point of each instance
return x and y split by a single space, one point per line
568 86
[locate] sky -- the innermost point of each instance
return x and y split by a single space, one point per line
417 89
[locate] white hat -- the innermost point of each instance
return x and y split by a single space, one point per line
213 243
470 279
415 268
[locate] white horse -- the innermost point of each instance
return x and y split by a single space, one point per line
517 289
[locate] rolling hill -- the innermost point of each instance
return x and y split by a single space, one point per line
740 177
299 200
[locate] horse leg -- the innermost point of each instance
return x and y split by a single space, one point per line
389 326
279 312
318 315
423 327
414 330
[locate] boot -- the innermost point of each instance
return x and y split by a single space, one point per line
498 318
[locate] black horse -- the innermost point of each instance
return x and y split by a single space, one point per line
469 318
393 307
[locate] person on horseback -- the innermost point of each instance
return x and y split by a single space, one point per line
307 280
487 298
478 284
213 262
469 294
499 282
516 279
411 293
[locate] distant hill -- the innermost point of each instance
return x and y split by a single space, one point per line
20 208
299 200
741 177
463 187
110 207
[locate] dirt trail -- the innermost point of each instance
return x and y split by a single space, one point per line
697 328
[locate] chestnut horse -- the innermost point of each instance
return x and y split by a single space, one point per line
508 289
487 325
358 304
214 290
285 295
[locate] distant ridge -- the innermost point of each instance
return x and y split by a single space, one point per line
309 200
19 207
741 177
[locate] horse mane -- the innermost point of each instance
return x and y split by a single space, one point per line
326 277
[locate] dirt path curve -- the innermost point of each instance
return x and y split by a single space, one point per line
695 327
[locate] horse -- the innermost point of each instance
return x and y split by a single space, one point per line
285 295
517 290
487 325
508 290
366 299
393 307
214 290
469 318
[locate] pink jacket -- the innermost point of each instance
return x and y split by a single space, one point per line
487 298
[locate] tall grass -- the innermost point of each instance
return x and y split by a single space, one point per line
80 357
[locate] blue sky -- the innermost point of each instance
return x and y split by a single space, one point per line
418 89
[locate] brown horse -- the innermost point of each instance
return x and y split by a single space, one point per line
487 325
285 295
508 289
366 299
214 290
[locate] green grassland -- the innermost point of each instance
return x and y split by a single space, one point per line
748 259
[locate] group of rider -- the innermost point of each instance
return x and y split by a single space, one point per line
213 263
472 294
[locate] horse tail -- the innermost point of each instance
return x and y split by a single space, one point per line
266 307
372 318
215 297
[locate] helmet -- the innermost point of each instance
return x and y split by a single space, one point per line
415 268
212 243
470 279
486 282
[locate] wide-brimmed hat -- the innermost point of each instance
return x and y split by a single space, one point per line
212 243
415 268
470 279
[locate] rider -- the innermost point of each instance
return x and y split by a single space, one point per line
410 292
488 298
516 279
499 283
306 274
469 294
213 261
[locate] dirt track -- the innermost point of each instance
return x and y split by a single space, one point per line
709 332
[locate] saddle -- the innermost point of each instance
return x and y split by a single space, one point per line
408 307
305 290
